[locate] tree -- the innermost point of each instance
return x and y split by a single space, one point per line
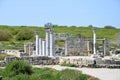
109 27
90 26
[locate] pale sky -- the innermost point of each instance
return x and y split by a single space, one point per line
61 12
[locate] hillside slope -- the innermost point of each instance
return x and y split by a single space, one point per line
13 37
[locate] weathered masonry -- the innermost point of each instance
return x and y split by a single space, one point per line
73 45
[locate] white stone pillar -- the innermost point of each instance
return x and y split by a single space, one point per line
104 48
94 40
43 48
25 46
51 44
66 53
47 43
37 43
40 47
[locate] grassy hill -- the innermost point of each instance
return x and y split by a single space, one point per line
13 37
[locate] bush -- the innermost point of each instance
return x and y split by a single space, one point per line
5 35
48 74
68 64
18 67
25 34
69 74
44 74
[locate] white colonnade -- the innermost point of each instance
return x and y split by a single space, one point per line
45 47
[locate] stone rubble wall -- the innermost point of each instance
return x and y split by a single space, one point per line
108 63
90 62
79 61
32 60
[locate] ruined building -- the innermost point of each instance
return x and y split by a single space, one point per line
73 45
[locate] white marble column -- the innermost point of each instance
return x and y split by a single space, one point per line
37 43
47 43
94 40
51 44
66 53
43 48
40 47
25 46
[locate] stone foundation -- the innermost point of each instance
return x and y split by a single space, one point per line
77 60
91 62
32 60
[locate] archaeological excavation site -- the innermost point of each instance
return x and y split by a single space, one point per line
75 50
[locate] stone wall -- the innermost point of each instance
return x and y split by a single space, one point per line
32 60
79 61
91 62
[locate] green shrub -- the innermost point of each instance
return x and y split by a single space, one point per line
69 74
18 67
25 34
44 74
47 74
83 76
1 58
5 35
21 77
68 64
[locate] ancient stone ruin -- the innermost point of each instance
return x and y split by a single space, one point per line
42 51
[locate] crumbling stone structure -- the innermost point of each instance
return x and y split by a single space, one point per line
33 60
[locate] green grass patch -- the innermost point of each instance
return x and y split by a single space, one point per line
68 64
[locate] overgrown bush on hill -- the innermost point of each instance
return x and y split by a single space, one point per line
5 35
25 34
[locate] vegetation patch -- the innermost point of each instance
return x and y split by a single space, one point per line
2 56
68 64
13 37
20 70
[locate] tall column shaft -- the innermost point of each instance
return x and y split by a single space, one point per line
94 41
25 45
104 48
43 48
66 53
51 44
37 44
40 46
47 44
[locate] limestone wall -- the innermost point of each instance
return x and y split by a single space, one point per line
91 62
77 60
34 60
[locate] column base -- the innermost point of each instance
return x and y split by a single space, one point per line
94 55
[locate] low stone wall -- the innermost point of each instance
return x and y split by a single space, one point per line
91 62
78 61
107 63
41 60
